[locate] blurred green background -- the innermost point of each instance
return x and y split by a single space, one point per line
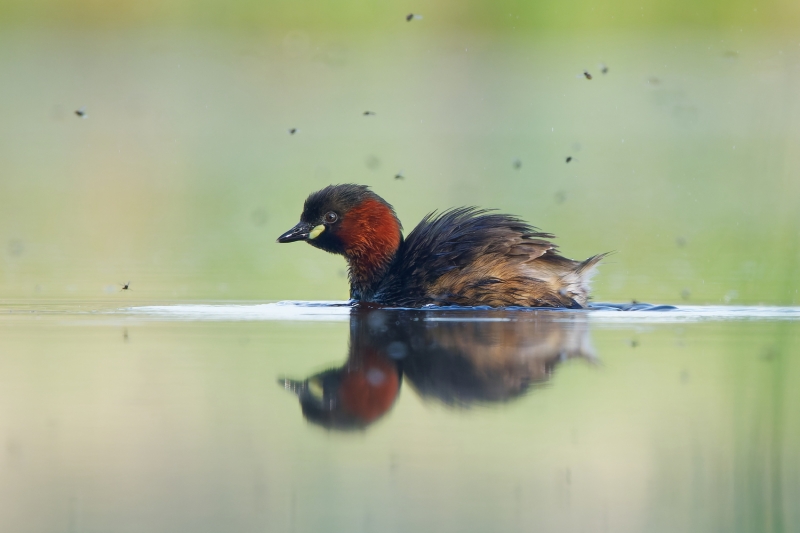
182 173
181 426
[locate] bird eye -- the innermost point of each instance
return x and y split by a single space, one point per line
331 217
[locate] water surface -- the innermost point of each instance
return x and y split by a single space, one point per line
288 417
189 403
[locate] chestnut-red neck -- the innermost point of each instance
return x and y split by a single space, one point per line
371 235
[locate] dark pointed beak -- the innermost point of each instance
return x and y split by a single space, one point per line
298 233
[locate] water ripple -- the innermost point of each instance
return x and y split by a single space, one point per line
339 311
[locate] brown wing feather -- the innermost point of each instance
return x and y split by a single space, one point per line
469 257
518 272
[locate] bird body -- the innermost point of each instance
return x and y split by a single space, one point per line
464 256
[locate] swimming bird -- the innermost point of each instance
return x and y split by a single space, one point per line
463 256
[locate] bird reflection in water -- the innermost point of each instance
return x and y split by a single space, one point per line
459 359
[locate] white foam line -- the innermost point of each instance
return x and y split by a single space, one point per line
340 312
699 314
290 311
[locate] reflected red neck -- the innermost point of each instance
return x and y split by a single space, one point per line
371 236
370 385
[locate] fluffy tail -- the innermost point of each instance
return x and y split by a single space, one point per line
575 284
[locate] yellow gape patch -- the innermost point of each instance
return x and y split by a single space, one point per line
316 231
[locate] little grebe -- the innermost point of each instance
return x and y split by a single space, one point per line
464 256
